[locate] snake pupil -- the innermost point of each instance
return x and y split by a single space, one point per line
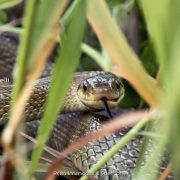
84 87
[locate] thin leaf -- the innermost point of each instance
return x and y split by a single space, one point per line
32 38
162 18
157 15
62 75
17 110
8 3
95 55
26 66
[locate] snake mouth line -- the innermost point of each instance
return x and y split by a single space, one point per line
115 100
98 105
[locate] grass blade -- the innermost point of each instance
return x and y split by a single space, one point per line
69 55
30 63
8 3
33 39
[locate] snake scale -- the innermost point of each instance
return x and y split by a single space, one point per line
77 119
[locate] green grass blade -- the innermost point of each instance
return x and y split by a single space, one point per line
62 75
162 18
96 56
144 147
173 104
157 17
68 15
8 3
21 66
31 38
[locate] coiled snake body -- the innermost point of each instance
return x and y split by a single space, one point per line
79 118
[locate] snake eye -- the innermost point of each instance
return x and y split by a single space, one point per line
117 85
84 87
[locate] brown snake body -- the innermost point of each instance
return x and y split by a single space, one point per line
79 119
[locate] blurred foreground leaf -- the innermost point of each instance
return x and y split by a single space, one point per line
162 18
8 3
118 49
149 60
114 2
32 38
30 63
62 75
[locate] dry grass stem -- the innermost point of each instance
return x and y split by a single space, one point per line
166 172
48 149
17 110
120 52
9 133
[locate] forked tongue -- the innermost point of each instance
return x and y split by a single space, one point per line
106 107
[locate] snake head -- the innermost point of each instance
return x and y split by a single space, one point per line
94 89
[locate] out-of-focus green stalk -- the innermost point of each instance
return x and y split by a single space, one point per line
95 55
20 70
150 170
11 29
162 18
151 135
144 147
8 3
69 13
64 68
173 104
32 42
157 19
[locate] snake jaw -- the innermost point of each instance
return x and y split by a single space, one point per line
97 104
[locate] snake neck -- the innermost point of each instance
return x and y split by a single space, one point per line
35 106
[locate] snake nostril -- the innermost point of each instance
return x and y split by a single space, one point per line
117 85
104 98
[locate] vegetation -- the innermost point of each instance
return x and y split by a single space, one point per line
150 71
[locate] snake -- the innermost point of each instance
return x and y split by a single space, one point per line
79 115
